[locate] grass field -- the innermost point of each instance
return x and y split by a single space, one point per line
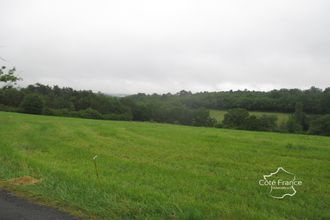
281 117
160 171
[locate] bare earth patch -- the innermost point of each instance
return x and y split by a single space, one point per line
25 180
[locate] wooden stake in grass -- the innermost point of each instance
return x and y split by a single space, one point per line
96 171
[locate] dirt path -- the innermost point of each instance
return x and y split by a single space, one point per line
12 207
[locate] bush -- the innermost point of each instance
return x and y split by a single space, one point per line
292 125
218 125
320 125
90 113
141 113
236 118
8 108
11 97
124 117
61 112
252 123
240 119
48 111
201 117
32 104
267 123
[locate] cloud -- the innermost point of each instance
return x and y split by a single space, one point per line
165 46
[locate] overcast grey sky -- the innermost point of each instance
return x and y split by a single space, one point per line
131 46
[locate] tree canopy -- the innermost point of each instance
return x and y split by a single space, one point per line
184 107
8 76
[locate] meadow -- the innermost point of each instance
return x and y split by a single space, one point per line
281 117
162 171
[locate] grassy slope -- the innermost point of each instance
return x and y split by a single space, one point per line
156 170
281 117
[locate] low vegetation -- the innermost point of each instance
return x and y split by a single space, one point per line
157 171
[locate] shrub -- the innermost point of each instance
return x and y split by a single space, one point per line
32 104
48 111
267 123
320 125
201 117
236 118
218 125
124 117
61 112
240 119
252 123
90 113
293 126
8 108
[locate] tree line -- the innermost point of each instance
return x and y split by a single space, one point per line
298 122
310 108
53 100
314 100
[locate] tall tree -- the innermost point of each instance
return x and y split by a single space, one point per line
8 76
300 116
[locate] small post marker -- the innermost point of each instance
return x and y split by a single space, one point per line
96 171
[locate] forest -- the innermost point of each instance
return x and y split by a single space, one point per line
309 109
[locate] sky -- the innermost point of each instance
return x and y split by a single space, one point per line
152 46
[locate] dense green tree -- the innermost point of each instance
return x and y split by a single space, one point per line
180 108
292 125
267 123
8 76
141 112
325 101
314 100
10 97
240 119
33 104
252 123
236 118
201 117
320 125
90 113
300 116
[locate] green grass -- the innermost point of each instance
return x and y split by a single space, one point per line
281 117
160 171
